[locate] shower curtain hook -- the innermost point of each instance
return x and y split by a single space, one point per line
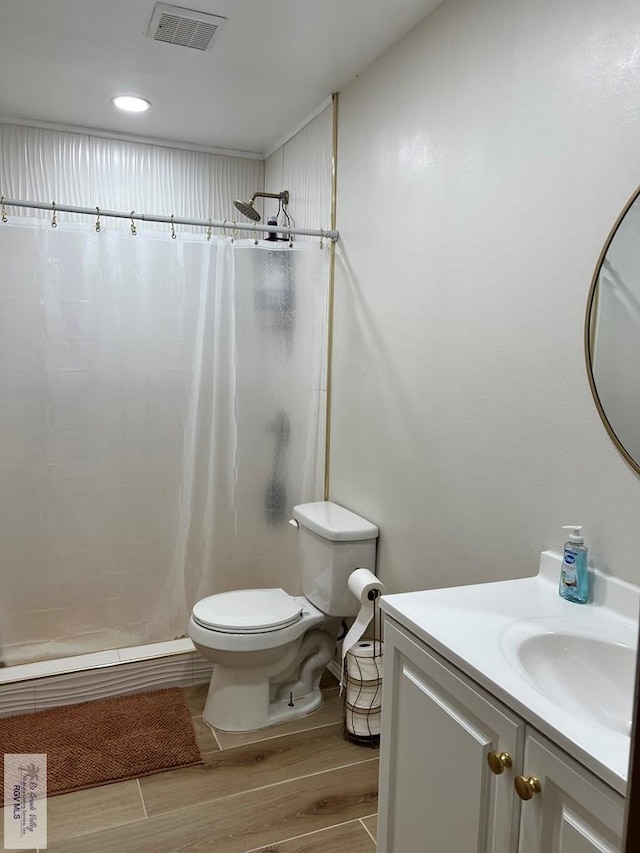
224 227
173 229
255 237
98 221
321 239
4 210
209 229
54 218
134 230
234 231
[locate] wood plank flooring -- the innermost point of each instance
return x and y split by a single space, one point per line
297 787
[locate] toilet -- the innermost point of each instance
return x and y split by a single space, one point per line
270 648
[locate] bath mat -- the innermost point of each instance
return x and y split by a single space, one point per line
106 740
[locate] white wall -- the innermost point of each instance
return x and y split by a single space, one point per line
481 164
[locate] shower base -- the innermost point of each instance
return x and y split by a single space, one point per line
46 684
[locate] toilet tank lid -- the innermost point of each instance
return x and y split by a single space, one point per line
334 522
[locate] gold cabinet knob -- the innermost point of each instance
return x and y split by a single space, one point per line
527 786
497 761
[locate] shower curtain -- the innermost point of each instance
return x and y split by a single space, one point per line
161 411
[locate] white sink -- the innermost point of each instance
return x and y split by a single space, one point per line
589 676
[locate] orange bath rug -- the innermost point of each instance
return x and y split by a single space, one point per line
106 740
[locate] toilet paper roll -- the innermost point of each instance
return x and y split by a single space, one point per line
366 587
364 657
363 661
363 725
363 667
364 697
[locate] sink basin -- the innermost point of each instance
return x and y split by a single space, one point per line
591 677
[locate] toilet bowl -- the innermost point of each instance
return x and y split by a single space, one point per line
269 648
269 651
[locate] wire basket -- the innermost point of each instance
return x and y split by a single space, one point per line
363 693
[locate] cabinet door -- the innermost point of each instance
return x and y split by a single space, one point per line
437 793
574 812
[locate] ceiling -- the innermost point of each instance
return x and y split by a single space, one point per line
272 65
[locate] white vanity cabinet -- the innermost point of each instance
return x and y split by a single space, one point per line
450 755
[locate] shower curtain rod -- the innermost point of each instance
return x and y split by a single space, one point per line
227 224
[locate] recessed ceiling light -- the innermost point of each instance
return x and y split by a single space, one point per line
131 103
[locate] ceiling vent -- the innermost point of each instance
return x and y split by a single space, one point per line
185 27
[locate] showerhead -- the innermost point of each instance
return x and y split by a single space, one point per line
247 208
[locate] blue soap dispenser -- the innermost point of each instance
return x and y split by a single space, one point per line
574 574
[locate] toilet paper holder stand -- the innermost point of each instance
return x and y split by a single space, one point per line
362 706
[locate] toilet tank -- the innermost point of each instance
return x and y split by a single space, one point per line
333 542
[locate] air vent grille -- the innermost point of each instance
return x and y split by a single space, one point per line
184 27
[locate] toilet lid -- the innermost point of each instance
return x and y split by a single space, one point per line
247 611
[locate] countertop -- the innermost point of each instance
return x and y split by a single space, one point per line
474 627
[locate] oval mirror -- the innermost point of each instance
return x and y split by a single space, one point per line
612 333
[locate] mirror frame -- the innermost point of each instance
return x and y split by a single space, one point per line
635 465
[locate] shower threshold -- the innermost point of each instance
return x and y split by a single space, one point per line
47 684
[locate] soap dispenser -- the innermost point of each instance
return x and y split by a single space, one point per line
574 574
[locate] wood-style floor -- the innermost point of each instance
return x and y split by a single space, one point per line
294 788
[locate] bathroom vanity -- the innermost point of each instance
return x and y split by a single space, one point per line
506 717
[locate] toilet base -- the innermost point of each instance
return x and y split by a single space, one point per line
244 699
232 718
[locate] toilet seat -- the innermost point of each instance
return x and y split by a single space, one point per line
261 640
248 611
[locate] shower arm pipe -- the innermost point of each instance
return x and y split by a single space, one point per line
226 224
283 196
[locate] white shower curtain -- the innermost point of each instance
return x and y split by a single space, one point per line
161 411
